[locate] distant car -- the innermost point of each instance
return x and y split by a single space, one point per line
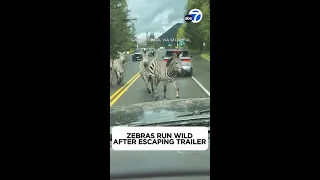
151 52
186 62
185 58
137 55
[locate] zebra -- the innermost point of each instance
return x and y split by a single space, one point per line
119 68
110 72
165 72
143 70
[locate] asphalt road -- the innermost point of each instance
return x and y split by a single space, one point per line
134 91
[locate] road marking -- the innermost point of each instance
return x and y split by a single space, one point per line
124 90
204 89
115 96
120 89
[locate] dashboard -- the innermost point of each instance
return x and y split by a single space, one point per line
160 165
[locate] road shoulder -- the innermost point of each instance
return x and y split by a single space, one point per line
201 70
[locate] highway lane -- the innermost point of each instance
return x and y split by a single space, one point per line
201 70
130 72
135 91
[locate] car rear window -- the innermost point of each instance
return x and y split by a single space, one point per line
170 53
185 54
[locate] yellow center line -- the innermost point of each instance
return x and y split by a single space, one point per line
120 89
115 96
124 90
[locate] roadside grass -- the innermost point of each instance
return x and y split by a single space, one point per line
205 56
194 51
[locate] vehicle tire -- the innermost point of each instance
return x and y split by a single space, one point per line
191 72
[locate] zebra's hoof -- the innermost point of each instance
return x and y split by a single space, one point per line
157 97
177 97
149 92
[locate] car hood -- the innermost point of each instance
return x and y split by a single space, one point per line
151 112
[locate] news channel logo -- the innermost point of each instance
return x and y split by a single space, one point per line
194 16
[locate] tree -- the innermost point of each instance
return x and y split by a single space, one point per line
197 33
122 30
204 25
181 31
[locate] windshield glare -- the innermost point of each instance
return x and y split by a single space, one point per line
134 29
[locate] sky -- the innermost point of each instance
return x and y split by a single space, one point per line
156 16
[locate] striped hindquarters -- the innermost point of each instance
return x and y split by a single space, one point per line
118 66
143 68
157 69
164 71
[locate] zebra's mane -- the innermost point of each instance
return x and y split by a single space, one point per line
169 61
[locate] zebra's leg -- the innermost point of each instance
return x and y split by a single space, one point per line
164 90
154 87
110 78
177 89
156 83
117 78
122 76
144 78
151 84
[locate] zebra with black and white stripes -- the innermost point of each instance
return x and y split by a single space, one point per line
165 72
111 71
143 69
119 68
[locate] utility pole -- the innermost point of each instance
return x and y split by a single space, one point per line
177 36
134 19
147 39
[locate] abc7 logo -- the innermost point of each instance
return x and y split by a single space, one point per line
194 16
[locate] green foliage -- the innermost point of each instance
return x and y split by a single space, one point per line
197 33
122 30
205 56
181 30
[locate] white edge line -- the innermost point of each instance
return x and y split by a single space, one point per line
204 89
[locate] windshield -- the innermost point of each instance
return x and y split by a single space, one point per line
136 26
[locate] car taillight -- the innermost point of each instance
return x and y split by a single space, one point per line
186 60
164 60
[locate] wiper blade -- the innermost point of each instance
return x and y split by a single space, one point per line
196 112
